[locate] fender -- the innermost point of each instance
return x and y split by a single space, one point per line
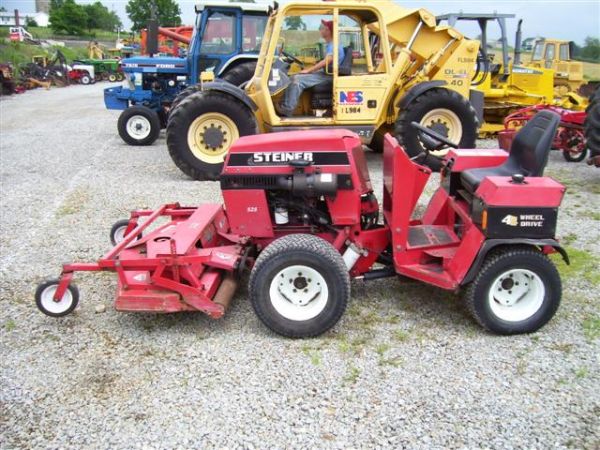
245 57
417 90
492 243
234 91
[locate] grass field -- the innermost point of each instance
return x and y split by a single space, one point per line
18 53
591 71
47 33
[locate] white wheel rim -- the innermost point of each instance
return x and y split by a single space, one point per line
50 305
302 298
138 127
516 295
119 234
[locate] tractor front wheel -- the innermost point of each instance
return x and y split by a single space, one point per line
85 79
299 286
444 111
202 129
517 290
139 125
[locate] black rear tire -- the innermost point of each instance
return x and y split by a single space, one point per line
131 113
322 274
591 128
416 110
497 281
240 74
183 95
183 117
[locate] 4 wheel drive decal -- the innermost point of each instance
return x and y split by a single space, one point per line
283 158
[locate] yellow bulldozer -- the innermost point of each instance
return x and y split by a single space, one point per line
509 83
407 69
557 55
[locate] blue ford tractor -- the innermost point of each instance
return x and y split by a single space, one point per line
226 40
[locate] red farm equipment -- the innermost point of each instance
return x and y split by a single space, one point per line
569 138
300 212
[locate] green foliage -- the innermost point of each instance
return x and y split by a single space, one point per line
584 265
167 13
591 49
30 22
295 23
591 327
68 17
100 17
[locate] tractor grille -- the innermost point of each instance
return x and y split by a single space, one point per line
248 181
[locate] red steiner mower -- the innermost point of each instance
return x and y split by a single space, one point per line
300 211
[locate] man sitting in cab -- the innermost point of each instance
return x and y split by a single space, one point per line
311 76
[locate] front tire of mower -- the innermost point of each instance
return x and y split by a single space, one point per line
139 125
446 112
202 129
299 286
45 302
517 290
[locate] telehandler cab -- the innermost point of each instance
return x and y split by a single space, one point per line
412 70
300 211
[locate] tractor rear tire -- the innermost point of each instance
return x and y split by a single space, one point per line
183 95
139 125
591 128
240 74
202 129
517 290
299 286
443 107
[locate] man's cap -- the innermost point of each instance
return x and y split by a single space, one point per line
328 24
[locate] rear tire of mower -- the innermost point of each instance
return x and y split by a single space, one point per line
531 304
433 99
317 269
151 119
205 103
240 74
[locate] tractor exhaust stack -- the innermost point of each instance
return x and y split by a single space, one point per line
518 37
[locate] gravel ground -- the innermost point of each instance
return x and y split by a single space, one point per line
405 368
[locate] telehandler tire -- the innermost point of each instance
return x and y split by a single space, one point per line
446 112
517 290
591 128
299 286
202 129
240 74
139 125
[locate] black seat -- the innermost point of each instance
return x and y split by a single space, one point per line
322 92
528 152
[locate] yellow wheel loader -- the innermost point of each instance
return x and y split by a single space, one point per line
402 68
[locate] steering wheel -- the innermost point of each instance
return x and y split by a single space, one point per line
434 136
292 58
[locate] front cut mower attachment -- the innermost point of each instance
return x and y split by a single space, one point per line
300 211
186 264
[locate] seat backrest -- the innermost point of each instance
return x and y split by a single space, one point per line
345 65
532 144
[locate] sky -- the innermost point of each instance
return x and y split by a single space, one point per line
564 19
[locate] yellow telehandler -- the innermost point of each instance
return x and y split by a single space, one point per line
407 69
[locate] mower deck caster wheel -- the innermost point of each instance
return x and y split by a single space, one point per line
44 299
139 125
117 232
